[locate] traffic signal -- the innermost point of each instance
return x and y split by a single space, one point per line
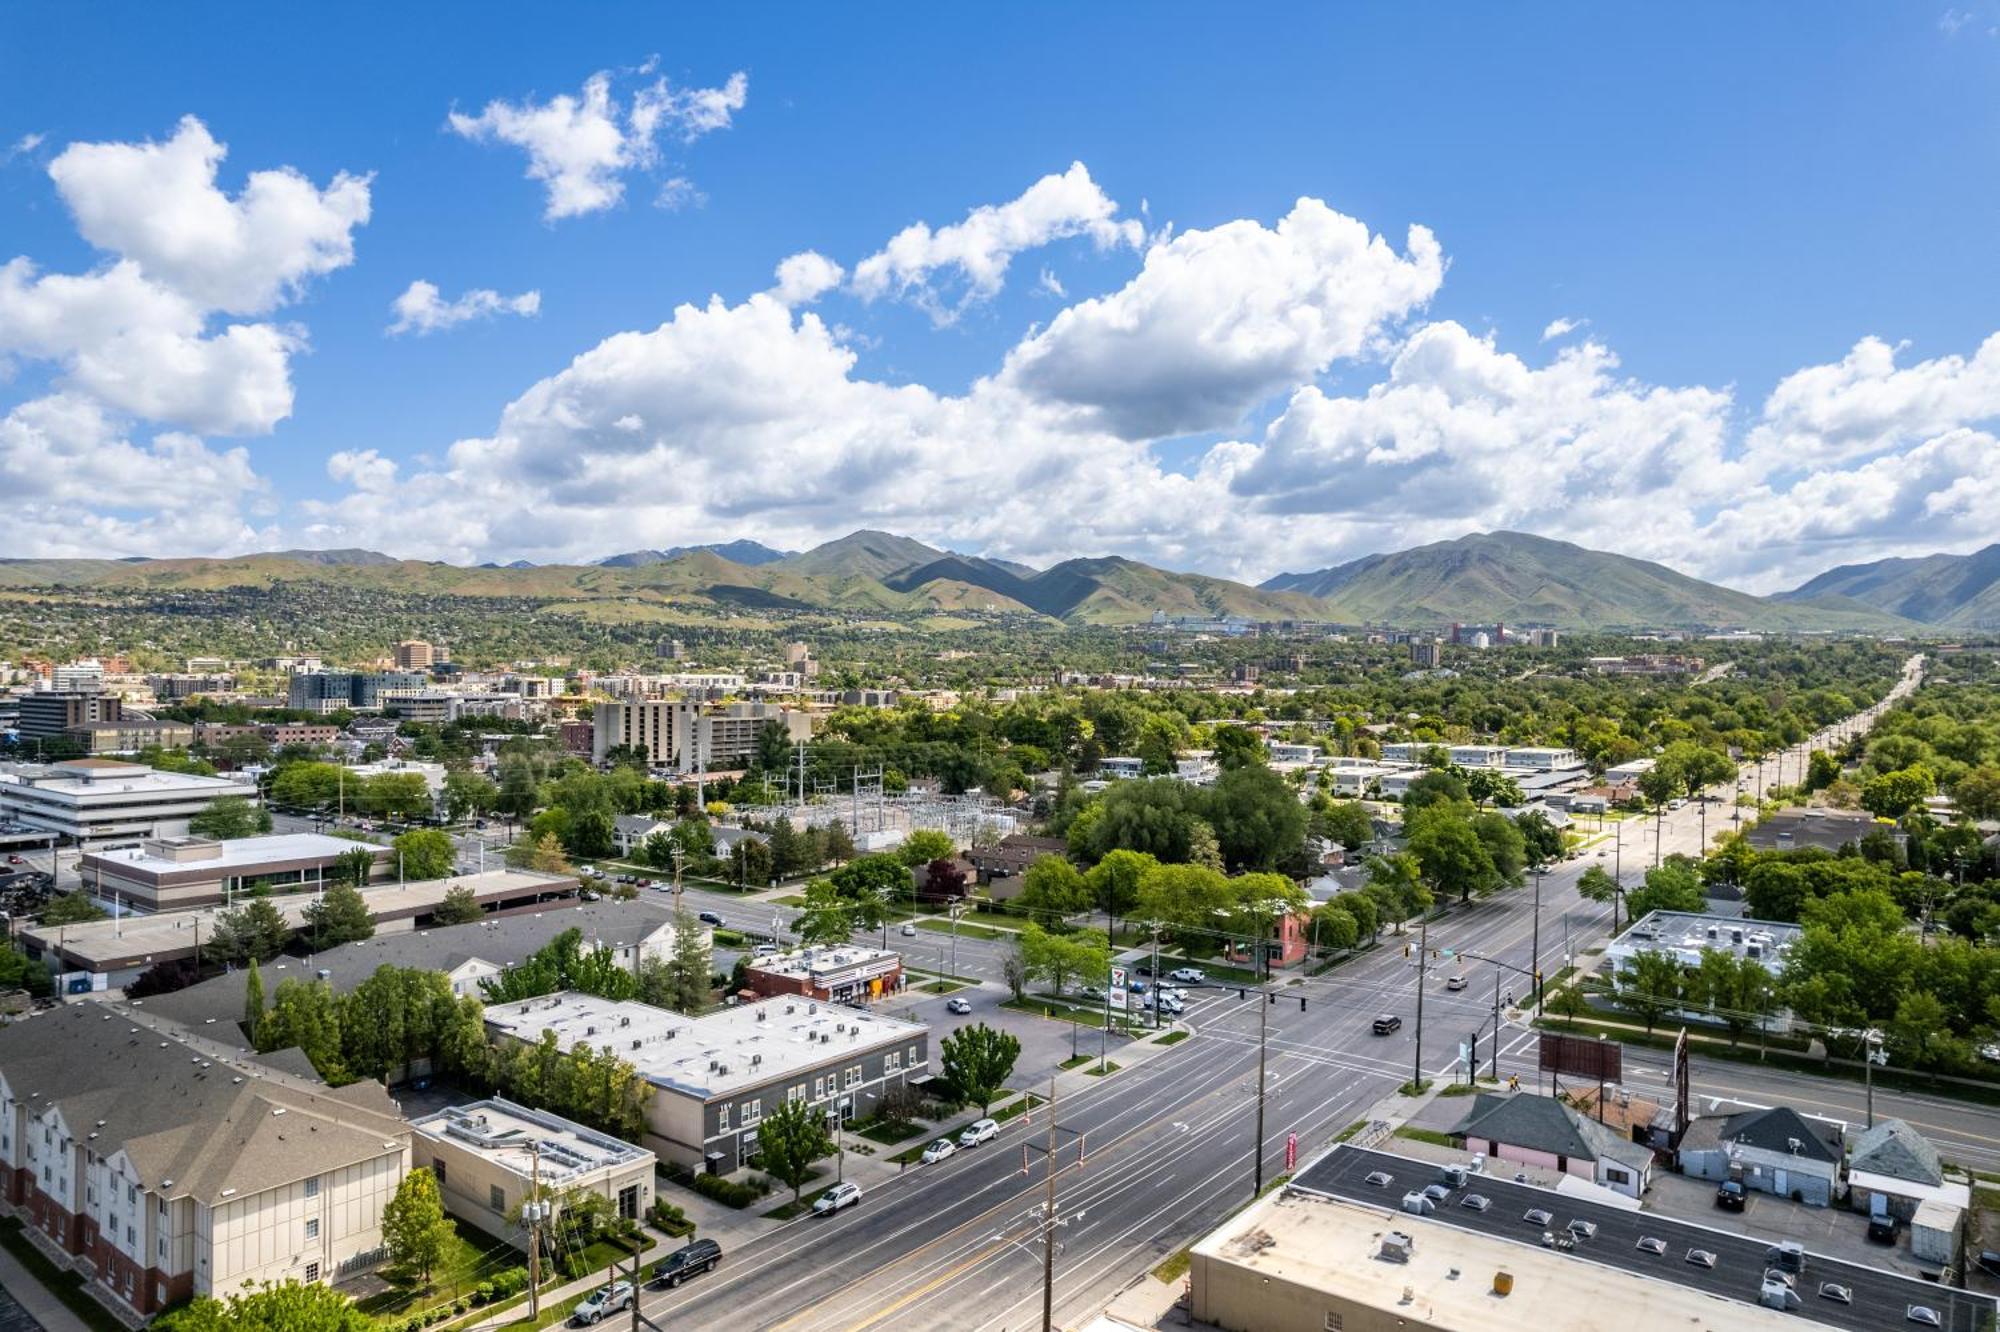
1406 950
1434 954
1272 995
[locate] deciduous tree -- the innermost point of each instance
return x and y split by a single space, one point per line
977 1061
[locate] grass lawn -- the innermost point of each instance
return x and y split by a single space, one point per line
552 1314
944 986
1171 1038
1431 1136
472 1257
1350 1130
601 1253
889 1132
1468 1088
1097 1071
1077 1061
789 1209
1017 1107
65 1286
1057 1011
966 929
792 900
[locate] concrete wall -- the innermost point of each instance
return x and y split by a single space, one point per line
1239 1300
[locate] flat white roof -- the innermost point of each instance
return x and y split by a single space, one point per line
502 1132
737 1048
124 778
239 853
1332 1246
821 961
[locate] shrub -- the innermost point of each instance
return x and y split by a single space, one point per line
483 1293
729 1192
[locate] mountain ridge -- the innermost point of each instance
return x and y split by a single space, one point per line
1949 591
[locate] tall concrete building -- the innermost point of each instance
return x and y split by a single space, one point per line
683 734
413 654
47 714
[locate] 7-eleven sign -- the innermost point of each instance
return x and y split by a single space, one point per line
1291 1151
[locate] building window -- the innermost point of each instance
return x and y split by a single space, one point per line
130 1238
1616 1176
312 1227
891 1062
131 1194
752 1111
312 1272
437 1170
854 1077
312 1187
628 1202
797 1093
722 1117
819 1088
914 1061
496 1197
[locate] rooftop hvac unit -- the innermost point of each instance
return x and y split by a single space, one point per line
625 1022
1396 1247
590 1031
756 1060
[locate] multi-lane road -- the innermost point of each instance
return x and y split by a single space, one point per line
1169 1142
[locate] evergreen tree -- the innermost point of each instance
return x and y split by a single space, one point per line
340 916
459 907
253 1000
255 931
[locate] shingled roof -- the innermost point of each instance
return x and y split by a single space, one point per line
189 1124
1895 1149
1544 1124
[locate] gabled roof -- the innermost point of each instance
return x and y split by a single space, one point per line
1544 1124
189 1124
1895 1149
1776 1129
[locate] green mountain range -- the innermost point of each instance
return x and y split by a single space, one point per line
1515 578
1509 577
1948 591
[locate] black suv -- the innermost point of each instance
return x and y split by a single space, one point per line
700 1256
1387 1023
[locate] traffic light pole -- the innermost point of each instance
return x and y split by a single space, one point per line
1423 956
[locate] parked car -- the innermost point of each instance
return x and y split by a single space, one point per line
1192 975
15 860
835 1198
909 930
708 917
958 1006
1456 983
764 950
688 1260
1166 1003
1990 1053
1091 992
1386 1023
589 894
607 1299
1883 1228
1730 1196
980 1130
938 1150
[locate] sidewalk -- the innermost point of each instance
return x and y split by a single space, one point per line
37 1299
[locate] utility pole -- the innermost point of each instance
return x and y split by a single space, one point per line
1049 1216
1535 962
534 1215
1423 956
1155 925
1496 1025
1263 1027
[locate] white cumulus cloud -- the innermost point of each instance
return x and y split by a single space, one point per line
977 251
582 146
1561 327
157 205
156 338
805 277
422 309
1219 320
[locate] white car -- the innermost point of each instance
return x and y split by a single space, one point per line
608 1299
938 1150
1174 992
1166 1003
764 950
1456 983
958 1006
981 1130
835 1198
1192 975
909 930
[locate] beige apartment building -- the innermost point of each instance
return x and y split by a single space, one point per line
488 1155
682 734
413 654
160 1174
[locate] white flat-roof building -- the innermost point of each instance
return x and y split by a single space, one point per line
162 873
485 1156
101 954
1542 758
102 802
715 1077
1122 766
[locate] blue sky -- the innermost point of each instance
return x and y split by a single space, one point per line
1725 201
